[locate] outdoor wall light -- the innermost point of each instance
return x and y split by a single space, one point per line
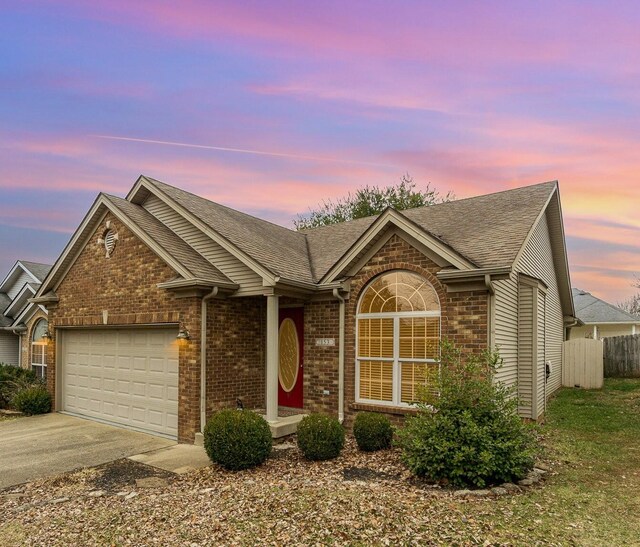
46 336
183 336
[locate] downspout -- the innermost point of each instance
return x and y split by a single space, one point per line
490 312
336 293
203 356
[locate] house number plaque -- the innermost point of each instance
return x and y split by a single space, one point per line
325 341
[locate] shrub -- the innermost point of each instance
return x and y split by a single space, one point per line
34 399
320 437
372 431
12 380
467 430
237 439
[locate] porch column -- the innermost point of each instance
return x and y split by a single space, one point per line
272 359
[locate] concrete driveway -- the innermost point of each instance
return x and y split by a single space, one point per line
40 446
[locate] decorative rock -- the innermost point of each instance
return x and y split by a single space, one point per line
96 494
499 491
510 487
534 477
542 466
131 495
59 500
284 446
151 482
539 470
461 493
479 493
125 493
525 482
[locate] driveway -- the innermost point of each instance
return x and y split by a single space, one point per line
39 446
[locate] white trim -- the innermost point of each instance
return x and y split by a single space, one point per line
7 312
148 185
13 269
391 216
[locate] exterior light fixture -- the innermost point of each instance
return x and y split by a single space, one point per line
183 336
46 336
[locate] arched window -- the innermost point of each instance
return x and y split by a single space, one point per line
398 338
39 349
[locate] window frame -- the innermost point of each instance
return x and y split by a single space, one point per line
396 360
39 368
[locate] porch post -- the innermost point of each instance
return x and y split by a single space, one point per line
272 359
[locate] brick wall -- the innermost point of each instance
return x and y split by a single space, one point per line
125 286
464 314
236 352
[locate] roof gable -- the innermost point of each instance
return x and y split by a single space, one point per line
18 271
185 261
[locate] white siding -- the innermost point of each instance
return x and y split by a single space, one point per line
526 342
542 354
9 344
19 283
234 269
604 331
505 325
537 261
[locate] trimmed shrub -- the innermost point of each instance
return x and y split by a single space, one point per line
237 439
12 380
320 437
31 400
372 431
467 430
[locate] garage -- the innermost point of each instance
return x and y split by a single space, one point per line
127 377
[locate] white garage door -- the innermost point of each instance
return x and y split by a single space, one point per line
126 376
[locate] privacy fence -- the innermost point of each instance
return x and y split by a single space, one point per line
622 356
582 363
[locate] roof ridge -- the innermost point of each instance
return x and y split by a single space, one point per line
555 182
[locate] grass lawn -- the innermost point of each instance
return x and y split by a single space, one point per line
591 497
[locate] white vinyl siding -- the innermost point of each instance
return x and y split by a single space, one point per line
542 353
17 286
9 348
127 377
537 261
249 281
505 325
604 331
526 341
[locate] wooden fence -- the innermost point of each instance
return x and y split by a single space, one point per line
622 356
582 363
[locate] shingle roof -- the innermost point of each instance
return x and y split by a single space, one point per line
590 309
37 269
281 250
4 304
169 241
489 230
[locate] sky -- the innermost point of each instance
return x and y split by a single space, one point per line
272 107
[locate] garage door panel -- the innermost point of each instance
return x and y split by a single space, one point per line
129 377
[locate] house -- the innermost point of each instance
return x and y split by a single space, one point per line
599 319
22 323
165 306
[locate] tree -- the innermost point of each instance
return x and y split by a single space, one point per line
632 305
369 201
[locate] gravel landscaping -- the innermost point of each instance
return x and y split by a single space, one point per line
586 494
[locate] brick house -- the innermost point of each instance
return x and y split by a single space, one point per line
165 306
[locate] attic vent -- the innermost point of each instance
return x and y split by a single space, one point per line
109 239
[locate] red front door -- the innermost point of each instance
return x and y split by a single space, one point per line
291 357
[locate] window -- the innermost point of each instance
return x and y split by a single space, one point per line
39 349
398 339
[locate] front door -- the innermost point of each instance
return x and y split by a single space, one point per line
290 357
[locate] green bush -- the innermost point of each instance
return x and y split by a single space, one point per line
31 400
237 439
372 431
320 437
12 380
467 430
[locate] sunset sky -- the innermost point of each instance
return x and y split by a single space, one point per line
294 102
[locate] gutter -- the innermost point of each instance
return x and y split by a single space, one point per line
490 308
203 356
336 293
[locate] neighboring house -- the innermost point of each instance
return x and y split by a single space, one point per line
22 323
600 319
165 306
